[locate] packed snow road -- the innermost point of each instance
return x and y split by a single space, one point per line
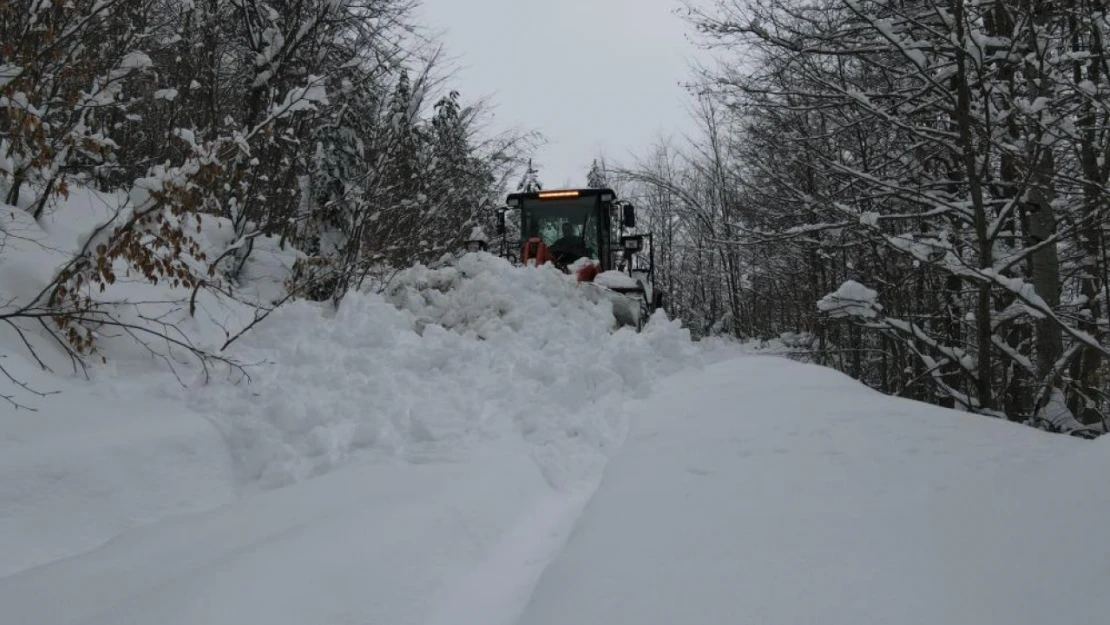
765 491
393 543
753 490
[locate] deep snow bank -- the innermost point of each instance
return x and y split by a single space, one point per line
100 458
93 463
440 361
32 253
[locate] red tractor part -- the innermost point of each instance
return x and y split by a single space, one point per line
535 249
587 273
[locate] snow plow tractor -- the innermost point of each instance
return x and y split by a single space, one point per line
590 233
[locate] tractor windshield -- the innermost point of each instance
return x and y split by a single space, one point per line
563 223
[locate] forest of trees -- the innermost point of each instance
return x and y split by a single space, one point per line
910 191
307 119
332 125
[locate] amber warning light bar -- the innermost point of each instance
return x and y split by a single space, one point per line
547 195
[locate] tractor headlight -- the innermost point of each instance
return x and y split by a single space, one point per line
632 244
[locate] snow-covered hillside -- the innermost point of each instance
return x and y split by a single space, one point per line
477 444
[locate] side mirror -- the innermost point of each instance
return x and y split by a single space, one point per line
629 216
501 222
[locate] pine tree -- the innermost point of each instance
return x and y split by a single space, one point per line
456 182
530 183
596 178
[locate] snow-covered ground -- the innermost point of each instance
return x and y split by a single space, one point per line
377 543
477 444
760 490
754 489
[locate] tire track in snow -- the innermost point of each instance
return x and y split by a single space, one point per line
497 591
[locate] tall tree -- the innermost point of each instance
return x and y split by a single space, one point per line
530 181
596 177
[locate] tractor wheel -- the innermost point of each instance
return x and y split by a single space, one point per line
645 314
657 301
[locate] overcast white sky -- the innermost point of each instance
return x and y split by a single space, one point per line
594 76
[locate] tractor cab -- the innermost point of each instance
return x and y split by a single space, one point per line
564 226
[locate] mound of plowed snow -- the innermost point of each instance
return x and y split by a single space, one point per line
442 359
484 296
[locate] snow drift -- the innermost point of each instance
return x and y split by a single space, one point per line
443 359
423 369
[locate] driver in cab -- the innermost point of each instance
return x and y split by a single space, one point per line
570 247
